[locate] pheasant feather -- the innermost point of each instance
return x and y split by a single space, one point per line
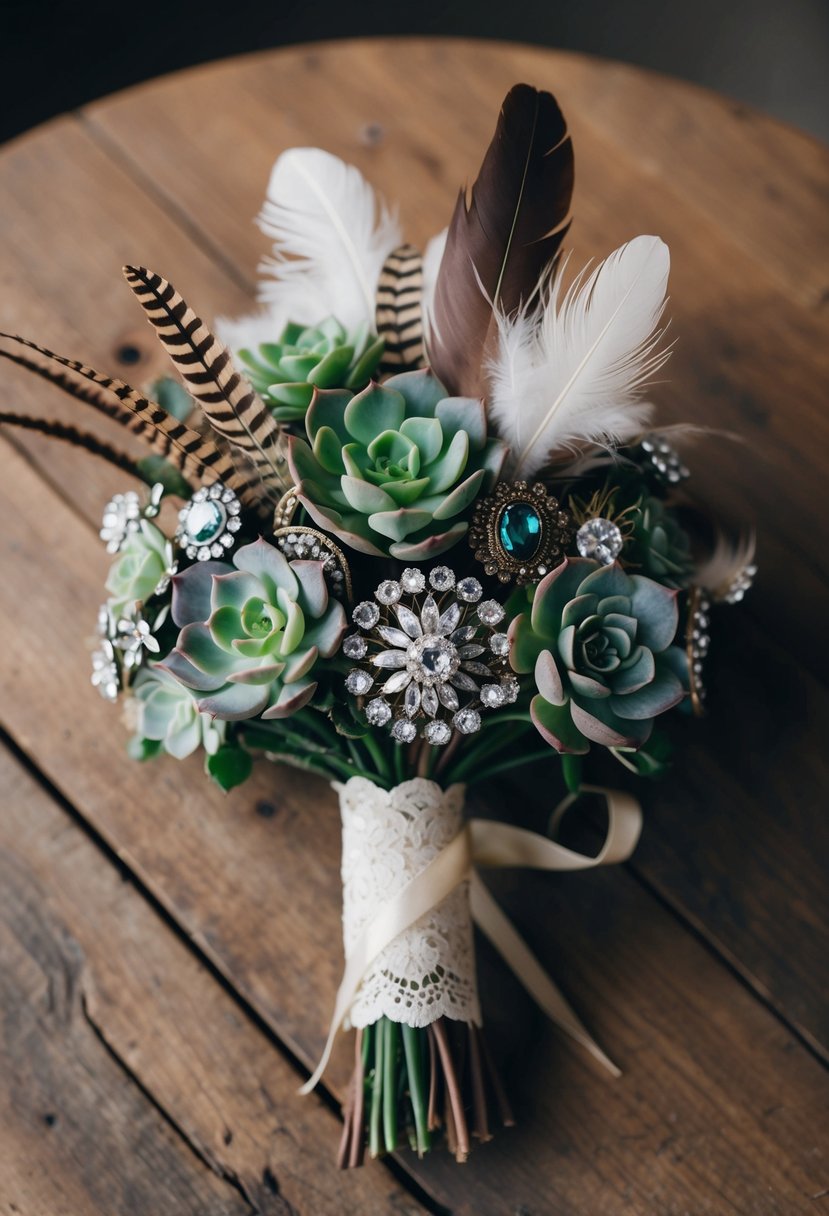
570 372
71 434
500 241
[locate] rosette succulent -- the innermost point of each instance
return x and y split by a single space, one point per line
167 713
659 545
251 633
286 372
393 469
143 567
599 642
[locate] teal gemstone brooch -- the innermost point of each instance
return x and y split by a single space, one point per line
520 533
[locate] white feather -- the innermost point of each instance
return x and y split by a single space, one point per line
570 372
432 258
331 236
246 333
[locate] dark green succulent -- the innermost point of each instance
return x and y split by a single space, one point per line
599 642
659 546
393 469
285 373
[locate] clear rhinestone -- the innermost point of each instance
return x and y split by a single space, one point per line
404 731
203 554
409 621
450 618
477 669
412 581
234 524
472 650
464 633
366 615
217 549
430 617
355 647
499 644
397 682
442 578
464 682
394 637
388 592
492 695
599 539
432 658
510 689
358 682
469 589
467 721
490 612
411 701
437 733
378 712
390 658
447 696
227 540
215 490
429 701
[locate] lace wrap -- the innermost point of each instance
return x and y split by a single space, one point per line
389 837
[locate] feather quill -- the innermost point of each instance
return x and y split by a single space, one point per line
570 372
71 434
196 457
234 411
501 240
331 236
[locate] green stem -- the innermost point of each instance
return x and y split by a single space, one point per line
485 747
390 1031
504 766
417 1091
399 764
571 771
374 1146
376 752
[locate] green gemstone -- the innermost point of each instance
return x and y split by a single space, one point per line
519 531
204 521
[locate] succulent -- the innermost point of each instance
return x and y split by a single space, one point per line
167 712
286 372
393 469
599 642
659 545
251 633
143 567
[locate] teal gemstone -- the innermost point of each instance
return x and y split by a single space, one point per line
519 531
204 521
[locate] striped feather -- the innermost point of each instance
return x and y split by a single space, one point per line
235 412
398 315
71 434
197 458
89 393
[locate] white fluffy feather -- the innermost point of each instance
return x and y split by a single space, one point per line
331 236
570 372
432 258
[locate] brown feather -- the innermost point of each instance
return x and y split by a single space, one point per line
235 412
197 458
89 393
501 240
71 434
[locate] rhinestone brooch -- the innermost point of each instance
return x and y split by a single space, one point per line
432 658
209 523
307 544
520 532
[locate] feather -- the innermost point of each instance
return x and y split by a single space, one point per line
331 236
432 258
399 314
88 393
70 434
730 569
569 373
250 332
197 458
501 239
234 411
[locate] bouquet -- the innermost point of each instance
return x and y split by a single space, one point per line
425 533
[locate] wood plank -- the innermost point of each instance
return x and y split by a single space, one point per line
719 1100
103 1005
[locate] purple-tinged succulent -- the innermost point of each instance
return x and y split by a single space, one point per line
251 633
599 642
393 469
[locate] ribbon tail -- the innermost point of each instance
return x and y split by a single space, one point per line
506 939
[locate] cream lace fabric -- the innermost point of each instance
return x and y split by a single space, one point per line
388 837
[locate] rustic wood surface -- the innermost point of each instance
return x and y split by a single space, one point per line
170 955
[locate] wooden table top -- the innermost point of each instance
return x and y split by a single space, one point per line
170 955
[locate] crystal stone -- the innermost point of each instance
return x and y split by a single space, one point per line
358 682
432 658
492 695
437 733
412 580
378 711
519 530
499 644
600 539
442 578
205 520
467 721
470 590
490 612
388 592
403 730
366 615
355 647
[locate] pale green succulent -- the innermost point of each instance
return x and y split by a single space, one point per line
285 373
659 546
393 469
168 713
599 642
142 568
251 633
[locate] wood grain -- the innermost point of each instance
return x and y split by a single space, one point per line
719 1102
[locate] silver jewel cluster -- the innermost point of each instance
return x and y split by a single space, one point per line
124 642
209 522
664 460
306 544
600 539
123 514
698 640
433 657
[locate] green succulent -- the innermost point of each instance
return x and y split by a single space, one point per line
168 713
393 469
251 633
142 567
599 642
659 545
286 372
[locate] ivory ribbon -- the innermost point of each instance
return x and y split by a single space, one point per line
488 844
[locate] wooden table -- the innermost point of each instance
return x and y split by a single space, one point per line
169 955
